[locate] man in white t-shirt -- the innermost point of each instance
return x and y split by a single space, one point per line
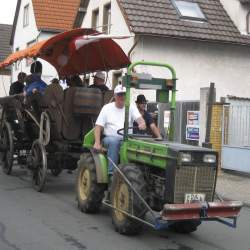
111 119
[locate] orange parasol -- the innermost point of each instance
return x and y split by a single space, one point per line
75 52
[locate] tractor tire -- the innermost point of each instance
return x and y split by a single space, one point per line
185 227
89 192
123 198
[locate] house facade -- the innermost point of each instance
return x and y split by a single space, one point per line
39 20
5 50
197 37
239 11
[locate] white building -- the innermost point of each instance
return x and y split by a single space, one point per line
5 50
35 21
197 37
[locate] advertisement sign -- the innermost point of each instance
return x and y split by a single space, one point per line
193 118
192 133
193 128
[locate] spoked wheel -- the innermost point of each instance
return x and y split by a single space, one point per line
7 148
56 171
126 202
89 192
39 165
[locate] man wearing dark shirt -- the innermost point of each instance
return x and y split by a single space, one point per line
99 79
18 86
141 103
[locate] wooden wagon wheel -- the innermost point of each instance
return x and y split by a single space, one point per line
7 148
39 165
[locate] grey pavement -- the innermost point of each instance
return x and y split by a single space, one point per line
233 186
51 221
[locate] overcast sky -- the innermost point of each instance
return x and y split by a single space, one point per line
7 11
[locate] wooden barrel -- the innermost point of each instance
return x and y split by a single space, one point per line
87 101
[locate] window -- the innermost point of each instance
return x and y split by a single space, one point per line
16 63
107 18
95 19
189 10
117 78
26 16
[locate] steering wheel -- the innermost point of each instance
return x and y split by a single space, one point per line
121 132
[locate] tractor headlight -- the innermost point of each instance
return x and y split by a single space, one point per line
185 157
209 158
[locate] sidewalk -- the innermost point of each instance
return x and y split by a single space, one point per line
234 187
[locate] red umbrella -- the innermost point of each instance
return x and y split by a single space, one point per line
64 53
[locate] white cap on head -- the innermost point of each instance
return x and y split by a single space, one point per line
119 89
100 75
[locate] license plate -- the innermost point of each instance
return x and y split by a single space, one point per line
192 198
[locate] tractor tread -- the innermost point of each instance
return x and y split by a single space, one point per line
93 202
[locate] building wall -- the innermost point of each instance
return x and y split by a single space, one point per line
238 12
5 81
118 24
23 36
196 63
199 63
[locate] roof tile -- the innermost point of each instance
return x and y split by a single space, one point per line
159 17
5 33
55 14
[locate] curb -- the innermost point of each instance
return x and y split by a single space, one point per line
245 204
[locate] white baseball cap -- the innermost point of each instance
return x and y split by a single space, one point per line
100 75
119 89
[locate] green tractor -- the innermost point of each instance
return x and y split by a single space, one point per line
158 182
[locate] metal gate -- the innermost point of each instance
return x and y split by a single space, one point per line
235 153
180 119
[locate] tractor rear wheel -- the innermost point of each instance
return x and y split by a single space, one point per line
185 227
125 200
89 192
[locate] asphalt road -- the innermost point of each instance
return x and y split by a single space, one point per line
51 221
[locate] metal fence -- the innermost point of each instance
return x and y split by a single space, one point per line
236 125
180 119
235 153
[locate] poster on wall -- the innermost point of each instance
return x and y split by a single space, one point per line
193 118
193 128
192 133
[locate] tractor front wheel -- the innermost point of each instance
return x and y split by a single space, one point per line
126 202
89 192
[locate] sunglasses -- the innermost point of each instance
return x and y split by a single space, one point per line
120 94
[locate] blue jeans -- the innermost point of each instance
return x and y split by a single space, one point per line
112 143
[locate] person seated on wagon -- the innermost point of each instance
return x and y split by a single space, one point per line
75 81
18 86
37 84
99 82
